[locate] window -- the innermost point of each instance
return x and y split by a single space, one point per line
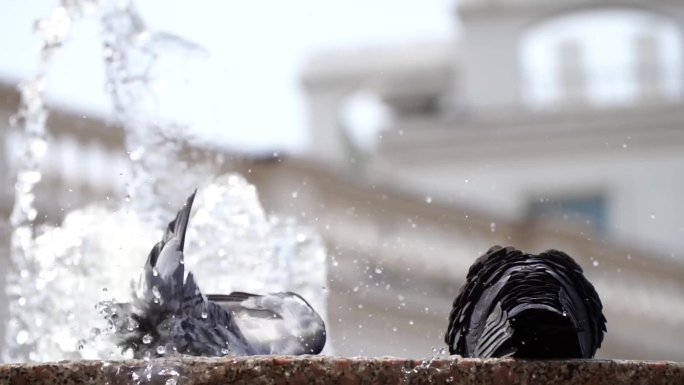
603 58
591 210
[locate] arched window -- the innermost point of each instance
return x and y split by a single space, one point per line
602 58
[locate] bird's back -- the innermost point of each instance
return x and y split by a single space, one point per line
523 305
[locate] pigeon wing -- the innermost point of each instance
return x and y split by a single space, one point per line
160 290
276 323
470 311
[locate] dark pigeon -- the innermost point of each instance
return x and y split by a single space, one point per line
515 304
169 313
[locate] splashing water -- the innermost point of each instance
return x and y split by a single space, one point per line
56 288
153 373
156 81
55 274
31 117
88 253
230 232
230 245
425 366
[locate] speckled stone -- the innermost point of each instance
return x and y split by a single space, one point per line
344 371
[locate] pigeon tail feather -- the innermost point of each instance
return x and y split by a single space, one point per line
161 290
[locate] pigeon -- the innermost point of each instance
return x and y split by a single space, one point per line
515 304
169 313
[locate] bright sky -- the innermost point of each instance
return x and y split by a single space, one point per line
259 46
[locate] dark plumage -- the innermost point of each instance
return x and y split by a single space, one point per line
527 306
170 313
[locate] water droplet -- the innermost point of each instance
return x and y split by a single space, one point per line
466 181
204 314
155 292
131 325
171 381
378 270
492 227
155 272
127 198
137 154
595 263
652 216
411 322
38 148
295 194
147 339
624 145
428 199
161 349
22 337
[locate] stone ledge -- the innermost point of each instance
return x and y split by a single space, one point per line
347 371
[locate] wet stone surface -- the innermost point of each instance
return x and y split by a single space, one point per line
347 371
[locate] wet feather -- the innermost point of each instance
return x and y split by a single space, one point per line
525 305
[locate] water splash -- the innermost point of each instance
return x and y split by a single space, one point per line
230 232
156 81
231 245
56 274
425 367
74 263
59 276
52 31
153 373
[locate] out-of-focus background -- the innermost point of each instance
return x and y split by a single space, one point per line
413 135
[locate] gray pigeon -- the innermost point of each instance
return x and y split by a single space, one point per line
169 313
526 306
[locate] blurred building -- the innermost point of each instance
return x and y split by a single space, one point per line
546 124
539 109
550 115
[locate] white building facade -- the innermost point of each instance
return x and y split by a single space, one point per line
565 108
